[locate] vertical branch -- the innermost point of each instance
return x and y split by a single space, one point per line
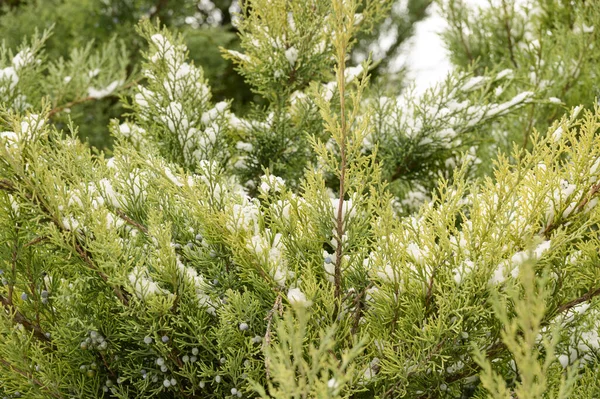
277 308
508 34
457 24
341 80
13 271
537 85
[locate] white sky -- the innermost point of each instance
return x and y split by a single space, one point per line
427 58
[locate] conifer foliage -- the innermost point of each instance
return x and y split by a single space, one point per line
332 244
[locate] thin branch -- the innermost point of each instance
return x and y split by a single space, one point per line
85 256
13 270
358 305
112 373
458 26
508 34
132 222
82 100
56 110
341 56
277 307
18 317
30 377
7 185
593 191
429 294
584 298
36 240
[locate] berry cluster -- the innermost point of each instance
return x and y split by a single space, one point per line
94 341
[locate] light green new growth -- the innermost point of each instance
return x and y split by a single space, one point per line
526 337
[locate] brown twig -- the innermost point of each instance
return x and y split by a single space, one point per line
13 270
584 298
341 56
30 377
35 241
132 222
359 308
593 191
84 255
508 34
82 100
277 307
7 185
18 317
56 110
112 373
430 289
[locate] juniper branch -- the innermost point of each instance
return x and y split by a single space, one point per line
19 318
508 34
7 185
31 378
132 222
341 56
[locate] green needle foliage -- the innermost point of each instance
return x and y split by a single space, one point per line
331 243
205 26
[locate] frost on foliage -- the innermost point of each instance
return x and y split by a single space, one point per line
512 265
238 55
352 73
23 58
132 132
416 286
8 80
143 285
272 184
108 192
192 277
269 250
285 50
414 198
105 91
31 125
70 223
298 298
178 92
291 55
416 266
441 114
349 209
245 215
417 136
581 329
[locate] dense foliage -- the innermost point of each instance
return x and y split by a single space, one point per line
333 240
205 26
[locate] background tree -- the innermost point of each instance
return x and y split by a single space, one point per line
206 26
